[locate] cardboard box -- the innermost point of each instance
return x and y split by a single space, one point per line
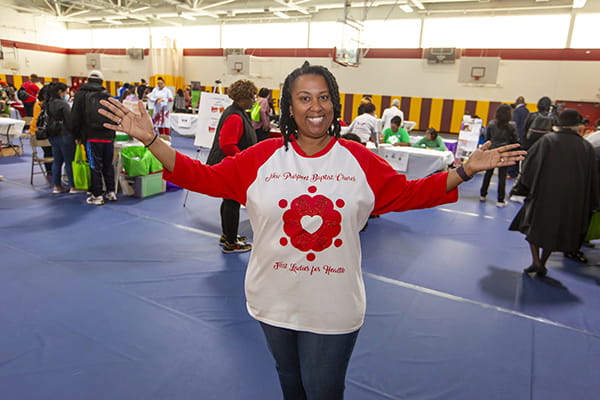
148 185
11 151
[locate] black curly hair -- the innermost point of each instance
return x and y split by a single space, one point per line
287 124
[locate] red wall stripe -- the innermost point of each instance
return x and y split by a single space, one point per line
32 46
506 54
204 52
111 52
447 109
394 53
425 113
302 52
536 54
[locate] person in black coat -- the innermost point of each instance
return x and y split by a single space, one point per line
501 131
561 177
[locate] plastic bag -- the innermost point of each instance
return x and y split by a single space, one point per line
593 232
255 112
81 169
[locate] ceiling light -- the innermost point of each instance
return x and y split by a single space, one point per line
188 17
406 8
578 3
281 15
112 21
418 4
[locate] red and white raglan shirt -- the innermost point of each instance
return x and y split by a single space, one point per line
306 213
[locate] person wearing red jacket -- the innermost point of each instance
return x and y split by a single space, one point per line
32 89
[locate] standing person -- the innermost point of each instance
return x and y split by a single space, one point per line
234 134
179 101
141 89
37 109
161 97
32 89
538 123
304 281
501 131
562 178
365 125
60 136
519 117
99 141
389 113
263 127
396 135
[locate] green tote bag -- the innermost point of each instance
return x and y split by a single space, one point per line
81 169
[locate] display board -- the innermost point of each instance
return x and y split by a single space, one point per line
470 129
210 109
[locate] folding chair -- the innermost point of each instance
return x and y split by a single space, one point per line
35 143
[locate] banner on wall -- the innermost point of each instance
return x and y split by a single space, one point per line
470 129
210 109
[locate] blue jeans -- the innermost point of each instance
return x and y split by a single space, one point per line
63 151
310 366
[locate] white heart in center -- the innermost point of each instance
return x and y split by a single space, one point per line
311 223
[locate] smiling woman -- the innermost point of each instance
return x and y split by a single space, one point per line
308 194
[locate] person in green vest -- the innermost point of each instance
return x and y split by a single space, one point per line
396 135
431 141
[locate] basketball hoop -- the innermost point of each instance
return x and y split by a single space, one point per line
477 73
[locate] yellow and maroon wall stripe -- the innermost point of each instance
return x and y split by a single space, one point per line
445 115
17 80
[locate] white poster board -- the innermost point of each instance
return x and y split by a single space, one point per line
210 109
468 138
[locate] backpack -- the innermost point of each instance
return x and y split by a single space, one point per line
41 124
92 104
22 94
541 125
53 126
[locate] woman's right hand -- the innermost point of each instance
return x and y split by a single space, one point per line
136 124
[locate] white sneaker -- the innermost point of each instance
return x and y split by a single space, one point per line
95 200
517 199
75 191
482 198
111 196
501 204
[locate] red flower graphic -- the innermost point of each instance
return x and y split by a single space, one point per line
317 206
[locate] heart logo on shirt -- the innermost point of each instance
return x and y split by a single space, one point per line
311 223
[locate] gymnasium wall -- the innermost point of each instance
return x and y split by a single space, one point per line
430 94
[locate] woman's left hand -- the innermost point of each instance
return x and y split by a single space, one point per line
483 159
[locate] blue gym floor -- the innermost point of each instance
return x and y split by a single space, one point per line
134 300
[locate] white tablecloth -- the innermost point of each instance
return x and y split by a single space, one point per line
414 163
184 124
11 127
